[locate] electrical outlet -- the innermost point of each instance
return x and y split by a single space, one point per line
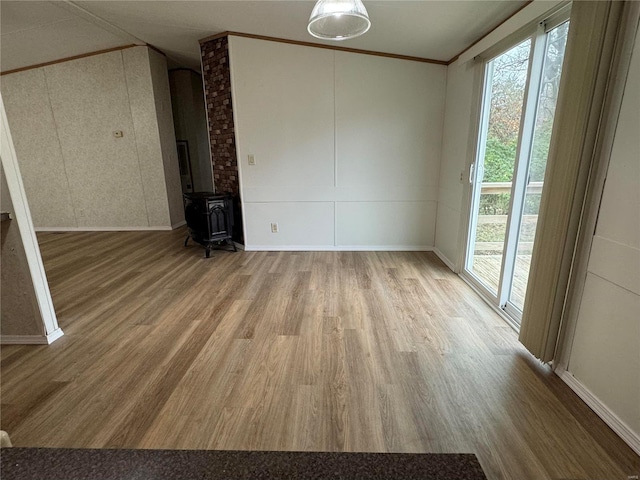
274 228
252 160
118 134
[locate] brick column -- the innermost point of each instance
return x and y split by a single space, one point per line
217 92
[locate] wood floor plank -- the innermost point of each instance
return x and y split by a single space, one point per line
324 351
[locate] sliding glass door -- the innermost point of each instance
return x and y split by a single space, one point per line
507 177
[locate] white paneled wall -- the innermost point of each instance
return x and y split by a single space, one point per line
346 147
77 174
457 146
605 354
283 108
383 224
306 225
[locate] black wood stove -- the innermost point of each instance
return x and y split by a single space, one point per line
209 219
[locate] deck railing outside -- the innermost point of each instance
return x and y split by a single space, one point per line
500 221
489 244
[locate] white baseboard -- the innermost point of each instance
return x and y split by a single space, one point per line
338 248
31 339
55 335
444 259
24 340
630 437
179 224
101 229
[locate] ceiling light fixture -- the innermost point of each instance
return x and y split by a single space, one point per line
338 19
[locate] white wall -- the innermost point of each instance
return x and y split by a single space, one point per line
190 122
457 149
76 173
605 357
347 147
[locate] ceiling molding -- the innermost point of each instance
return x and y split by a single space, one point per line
529 2
75 57
326 47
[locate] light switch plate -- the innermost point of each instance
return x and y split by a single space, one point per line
252 160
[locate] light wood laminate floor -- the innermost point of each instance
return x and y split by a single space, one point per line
322 351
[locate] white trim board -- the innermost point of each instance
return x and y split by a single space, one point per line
338 248
55 335
102 229
31 339
23 340
630 437
24 222
533 13
177 225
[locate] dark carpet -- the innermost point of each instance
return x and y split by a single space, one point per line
90 464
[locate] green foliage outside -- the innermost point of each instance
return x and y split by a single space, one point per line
507 96
498 167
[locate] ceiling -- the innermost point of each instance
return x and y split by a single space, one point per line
34 32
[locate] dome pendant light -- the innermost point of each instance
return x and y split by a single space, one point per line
338 19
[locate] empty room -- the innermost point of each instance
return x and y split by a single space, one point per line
320 239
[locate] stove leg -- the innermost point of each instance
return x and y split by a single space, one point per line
207 251
186 240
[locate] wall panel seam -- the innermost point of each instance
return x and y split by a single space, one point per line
62 156
612 282
135 136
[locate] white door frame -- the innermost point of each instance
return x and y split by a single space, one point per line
22 214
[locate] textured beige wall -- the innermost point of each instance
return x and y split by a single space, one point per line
36 141
19 313
147 134
162 96
76 172
90 101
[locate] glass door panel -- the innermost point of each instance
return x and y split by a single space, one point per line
518 108
506 83
548 95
